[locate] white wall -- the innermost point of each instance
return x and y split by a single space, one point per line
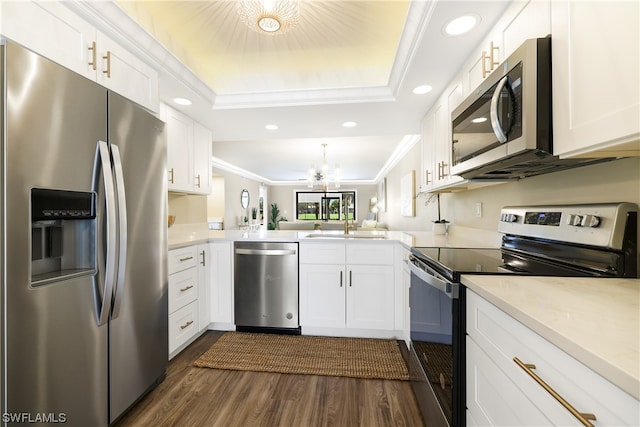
426 209
216 200
233 186
614 181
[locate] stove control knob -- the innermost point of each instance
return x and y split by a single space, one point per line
575 220
590 221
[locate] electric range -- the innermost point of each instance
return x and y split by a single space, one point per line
594 240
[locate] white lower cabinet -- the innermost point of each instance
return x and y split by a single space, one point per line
204 286
188 302
183 326
502 392
221 285
347 289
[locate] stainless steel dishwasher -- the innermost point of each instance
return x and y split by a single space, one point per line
266 287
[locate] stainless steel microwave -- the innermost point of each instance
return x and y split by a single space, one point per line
503 129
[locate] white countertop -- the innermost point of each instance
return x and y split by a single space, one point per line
597 321
190 234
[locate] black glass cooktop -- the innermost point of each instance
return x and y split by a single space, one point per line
458 261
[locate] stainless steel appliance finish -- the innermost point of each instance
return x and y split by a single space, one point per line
84 314
266 287
503 130
594 240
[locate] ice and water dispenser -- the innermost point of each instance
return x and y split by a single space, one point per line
63 231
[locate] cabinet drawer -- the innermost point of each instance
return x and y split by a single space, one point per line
183 325
183 288
503 338
370 253
183 258
322 253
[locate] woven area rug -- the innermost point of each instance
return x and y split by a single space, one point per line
301 354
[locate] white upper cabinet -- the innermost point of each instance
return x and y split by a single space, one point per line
523 20
179 130
596 83
436 141
72 42
202 140
188 153
428 151
124 73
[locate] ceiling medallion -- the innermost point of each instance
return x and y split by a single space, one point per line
270 16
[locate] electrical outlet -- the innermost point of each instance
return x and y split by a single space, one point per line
479 210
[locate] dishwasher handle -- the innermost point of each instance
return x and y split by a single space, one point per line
277 252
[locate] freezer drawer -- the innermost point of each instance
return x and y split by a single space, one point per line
266 285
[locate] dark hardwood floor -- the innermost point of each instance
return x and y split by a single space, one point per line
191 396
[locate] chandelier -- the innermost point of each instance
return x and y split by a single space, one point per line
270 16
321 176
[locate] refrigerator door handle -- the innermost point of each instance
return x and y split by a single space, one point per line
122 231
103 164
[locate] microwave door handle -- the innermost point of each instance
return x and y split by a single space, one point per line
495 120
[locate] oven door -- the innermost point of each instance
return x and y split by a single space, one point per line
437 346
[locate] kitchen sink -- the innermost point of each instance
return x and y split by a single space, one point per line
352 235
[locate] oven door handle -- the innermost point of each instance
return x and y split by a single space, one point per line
449 289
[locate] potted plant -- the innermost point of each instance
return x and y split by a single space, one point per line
273 218
254 215
440 225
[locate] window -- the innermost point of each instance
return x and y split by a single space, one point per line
324 206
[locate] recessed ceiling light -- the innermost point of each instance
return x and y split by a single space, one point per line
421 90
479 120
271 127
349 124
182 101
461 25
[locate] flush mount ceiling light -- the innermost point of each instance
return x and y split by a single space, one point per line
270 16
271 127
321 176
182 101
421 90
349 124
461 25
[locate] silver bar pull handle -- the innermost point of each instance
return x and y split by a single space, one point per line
104 290
122 231
186 258
350 278
186 288
186 325
204 261
341 272
276 252
580 416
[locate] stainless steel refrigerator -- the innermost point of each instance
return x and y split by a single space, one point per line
83 231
